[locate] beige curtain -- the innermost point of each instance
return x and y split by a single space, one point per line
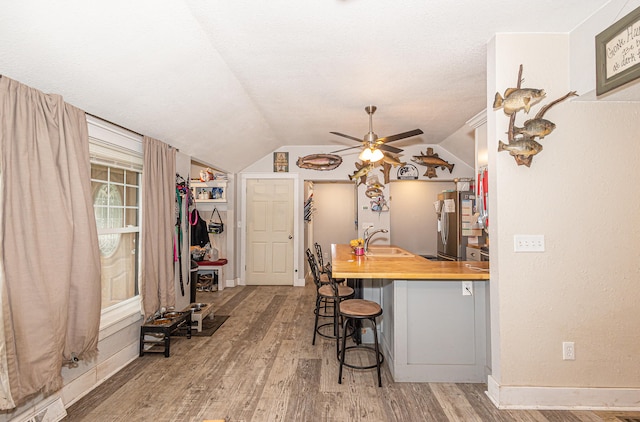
158 225
49 256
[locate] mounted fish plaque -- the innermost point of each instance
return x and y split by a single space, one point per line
522 144
432 161
319 162
360 175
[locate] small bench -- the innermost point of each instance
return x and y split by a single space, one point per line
206 310
216 271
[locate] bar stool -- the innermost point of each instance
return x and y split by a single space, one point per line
353 310
324 277
329 294
323 268
325 304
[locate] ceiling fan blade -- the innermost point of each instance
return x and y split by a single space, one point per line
389 148
399 136
347 136
344 149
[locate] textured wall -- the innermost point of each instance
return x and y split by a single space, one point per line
579 193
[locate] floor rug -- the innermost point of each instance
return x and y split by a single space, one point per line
209 326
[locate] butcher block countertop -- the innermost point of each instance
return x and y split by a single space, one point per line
345 264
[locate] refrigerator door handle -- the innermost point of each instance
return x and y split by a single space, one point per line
445 228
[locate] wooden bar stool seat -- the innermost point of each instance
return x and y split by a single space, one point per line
353 310
334 294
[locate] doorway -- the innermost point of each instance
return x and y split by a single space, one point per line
335 215
269 232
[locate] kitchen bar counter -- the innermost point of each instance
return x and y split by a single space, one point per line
434 322
344 264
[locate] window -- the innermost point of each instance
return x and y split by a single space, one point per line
116 175
116 198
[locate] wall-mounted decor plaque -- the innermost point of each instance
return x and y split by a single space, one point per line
618 53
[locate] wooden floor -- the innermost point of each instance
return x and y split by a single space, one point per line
260 366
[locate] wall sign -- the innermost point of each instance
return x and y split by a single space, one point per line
280 162
408 172
618 53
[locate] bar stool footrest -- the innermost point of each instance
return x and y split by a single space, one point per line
331 336
368 348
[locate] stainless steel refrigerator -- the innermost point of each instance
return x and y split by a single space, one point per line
449 208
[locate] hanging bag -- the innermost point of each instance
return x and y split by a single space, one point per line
215 227
199 230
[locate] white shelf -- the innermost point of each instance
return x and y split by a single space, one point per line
198 187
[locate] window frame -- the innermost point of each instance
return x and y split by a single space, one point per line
114 146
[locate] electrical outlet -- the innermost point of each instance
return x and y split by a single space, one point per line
568 350
467 288
528 243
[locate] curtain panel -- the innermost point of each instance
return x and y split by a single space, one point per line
49 256
158 226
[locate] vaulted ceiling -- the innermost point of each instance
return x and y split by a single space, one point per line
230 81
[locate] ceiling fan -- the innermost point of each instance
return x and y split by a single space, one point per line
373 146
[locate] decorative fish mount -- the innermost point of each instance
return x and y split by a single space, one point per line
516 99
320 162
522 143
432 161
361 172
374 187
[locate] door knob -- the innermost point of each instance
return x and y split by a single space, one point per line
290 237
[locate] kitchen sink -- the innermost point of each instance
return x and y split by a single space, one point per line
388 252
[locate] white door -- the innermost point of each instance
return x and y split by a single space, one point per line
269 255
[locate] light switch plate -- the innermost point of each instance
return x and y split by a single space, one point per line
528 243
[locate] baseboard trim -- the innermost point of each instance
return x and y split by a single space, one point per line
563 398
93 378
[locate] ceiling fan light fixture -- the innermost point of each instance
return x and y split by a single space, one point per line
376 155
366 154
370 154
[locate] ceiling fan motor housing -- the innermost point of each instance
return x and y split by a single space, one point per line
371 138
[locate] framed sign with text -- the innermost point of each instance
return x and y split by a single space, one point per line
618 53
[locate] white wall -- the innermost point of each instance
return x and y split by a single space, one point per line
577 194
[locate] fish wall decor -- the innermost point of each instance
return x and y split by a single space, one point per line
374 187
319 161
360 175
522 144
432 161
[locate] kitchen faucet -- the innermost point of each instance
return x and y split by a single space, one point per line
367 236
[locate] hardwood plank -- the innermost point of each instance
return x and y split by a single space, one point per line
454 403
260 366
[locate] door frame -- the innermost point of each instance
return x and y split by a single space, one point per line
296 222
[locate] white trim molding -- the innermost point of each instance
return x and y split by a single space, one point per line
563 398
